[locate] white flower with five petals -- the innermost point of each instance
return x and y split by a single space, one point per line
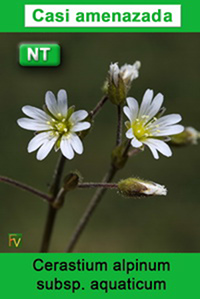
145 127
58 126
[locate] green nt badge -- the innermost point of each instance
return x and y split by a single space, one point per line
39 55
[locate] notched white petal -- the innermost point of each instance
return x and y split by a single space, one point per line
160 146
46 148
81 126
128 113
129 134
114 72
155 105
134 107
37 141
66 148
170 130
51 103
32 124
35 113
136 143
78 116
146 101
167 120
152 149
76 144
62 102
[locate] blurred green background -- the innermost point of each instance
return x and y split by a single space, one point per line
171 65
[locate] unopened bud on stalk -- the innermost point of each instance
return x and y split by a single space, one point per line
136 187
71 181
119 81
188 136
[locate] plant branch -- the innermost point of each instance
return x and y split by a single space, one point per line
90 209
97 185
52 211
119 125
97 195
98 107
25 187
55 186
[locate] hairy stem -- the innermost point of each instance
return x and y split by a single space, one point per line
55 186
119 125
52 211
98 107
25 187
90 209
126 150
94 203
50 220
98 185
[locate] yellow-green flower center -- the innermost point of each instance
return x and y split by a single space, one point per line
60 127
140 130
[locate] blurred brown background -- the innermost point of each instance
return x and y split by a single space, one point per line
171 65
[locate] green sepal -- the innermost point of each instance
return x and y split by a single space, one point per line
57 145
105 87
160 112
117 94
132 187
128 124
187 137
48 112
69 112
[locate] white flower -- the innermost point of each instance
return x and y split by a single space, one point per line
136 187
192 135
146 127
151 188
58 126
189 136
127 72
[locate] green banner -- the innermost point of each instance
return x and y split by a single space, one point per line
131 275
99 275
13 17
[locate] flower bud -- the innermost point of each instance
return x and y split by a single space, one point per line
130 72
188 136
71 181
119 81
136 187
